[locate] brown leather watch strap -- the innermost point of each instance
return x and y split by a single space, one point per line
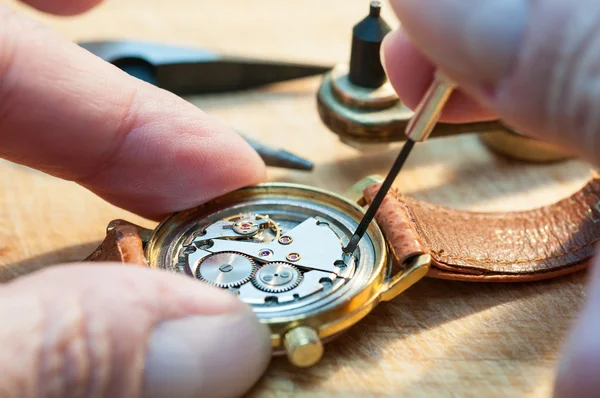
511 246
123 243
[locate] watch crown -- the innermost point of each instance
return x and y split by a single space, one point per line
303 346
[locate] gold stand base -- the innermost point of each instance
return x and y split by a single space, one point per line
519 147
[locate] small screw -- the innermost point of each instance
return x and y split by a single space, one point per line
205 245
265 252
225 268
189 249
285 240
293 257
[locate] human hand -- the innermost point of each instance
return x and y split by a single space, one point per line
535 64
109 330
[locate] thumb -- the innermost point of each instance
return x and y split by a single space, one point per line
110 330
535 64
580 366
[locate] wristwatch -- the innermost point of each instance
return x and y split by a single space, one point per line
278 247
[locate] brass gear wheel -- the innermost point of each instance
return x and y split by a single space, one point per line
277 277
275 227
226 269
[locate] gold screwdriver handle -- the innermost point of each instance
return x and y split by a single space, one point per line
430 108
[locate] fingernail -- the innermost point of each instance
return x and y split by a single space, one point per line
208 356
472 40
382 52
579 366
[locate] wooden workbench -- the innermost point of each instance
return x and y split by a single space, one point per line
440 338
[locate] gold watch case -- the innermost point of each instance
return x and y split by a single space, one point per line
298 327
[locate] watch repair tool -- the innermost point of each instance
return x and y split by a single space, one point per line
365 67
276 157
191 71
358 103
418 130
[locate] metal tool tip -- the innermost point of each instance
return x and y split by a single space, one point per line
351 246
278 157
289 160
375 8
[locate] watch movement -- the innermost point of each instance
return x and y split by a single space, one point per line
279 248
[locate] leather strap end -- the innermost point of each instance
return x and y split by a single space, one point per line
123 244
398 227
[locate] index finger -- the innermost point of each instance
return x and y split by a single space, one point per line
68 113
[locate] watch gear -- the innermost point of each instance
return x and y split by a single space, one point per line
226 269
255 225
246 226
277 277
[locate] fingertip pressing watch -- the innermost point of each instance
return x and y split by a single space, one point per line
279 248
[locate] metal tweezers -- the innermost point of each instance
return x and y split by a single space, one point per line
190 71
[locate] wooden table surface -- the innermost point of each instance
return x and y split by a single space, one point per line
440 338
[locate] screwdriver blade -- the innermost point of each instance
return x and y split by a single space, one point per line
276 157
383 190
422 123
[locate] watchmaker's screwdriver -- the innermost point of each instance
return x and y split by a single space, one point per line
418 129
276 157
